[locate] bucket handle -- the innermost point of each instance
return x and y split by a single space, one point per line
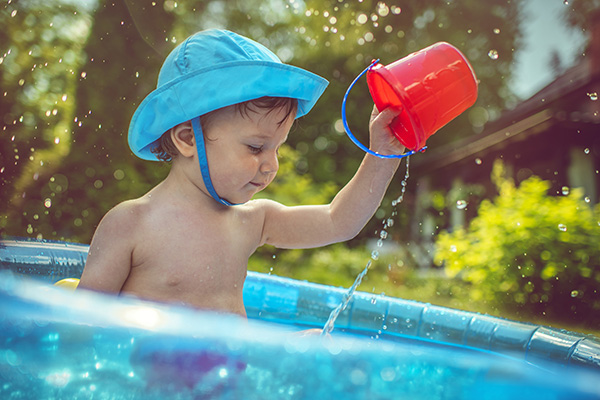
353 138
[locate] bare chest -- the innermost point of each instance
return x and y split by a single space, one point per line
197 261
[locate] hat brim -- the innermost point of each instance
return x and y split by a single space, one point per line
190 96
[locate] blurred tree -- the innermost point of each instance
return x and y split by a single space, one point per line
120 68
531 253
581 14
40 54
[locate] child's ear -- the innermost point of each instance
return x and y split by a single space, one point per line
182 136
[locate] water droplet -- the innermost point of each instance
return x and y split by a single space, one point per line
497 31
453 248
48 203
565 190
373 300
119 174
375 255
478 161
383 234
362 19
56 140
461 204
562 227
493 54
380 243
593 96
64 97
574 293
390 222
83 74
13 13
587 199
586 150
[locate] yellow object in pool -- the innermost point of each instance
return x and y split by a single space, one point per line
68 283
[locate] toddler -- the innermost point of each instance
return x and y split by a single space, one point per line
223 107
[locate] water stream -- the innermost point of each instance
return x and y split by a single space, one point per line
387 223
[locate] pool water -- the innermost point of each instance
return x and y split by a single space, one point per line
58 344
84 346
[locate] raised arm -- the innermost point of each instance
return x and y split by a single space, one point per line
352 207
109 258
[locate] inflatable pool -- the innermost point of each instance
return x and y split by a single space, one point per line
61 344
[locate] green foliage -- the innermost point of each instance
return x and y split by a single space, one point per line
40 51
334 265
530 252
74 163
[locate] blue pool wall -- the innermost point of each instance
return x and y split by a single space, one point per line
288 301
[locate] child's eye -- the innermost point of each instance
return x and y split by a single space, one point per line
255 149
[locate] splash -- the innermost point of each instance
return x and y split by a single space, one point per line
329 325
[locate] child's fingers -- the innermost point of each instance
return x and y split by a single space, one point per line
374 112
382 139
384 118
310 332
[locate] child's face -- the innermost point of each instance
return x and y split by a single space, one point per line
242 150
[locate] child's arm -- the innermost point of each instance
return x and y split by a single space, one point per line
109 257
352 207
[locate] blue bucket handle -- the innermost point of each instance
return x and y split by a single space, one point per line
353 138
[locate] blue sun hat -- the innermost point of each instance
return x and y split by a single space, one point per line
213 69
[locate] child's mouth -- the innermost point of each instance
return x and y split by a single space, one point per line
258 185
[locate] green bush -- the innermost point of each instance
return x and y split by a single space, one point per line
529 252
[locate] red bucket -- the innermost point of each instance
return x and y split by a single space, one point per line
433 86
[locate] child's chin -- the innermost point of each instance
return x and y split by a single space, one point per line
240 199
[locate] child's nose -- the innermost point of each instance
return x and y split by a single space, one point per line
270 164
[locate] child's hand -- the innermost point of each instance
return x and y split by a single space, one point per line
310 332
314 332
383 140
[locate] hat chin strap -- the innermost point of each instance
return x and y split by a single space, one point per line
200 147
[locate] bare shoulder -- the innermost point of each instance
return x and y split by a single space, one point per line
261 209
126 212
109 258
263 213
118 229
261 205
